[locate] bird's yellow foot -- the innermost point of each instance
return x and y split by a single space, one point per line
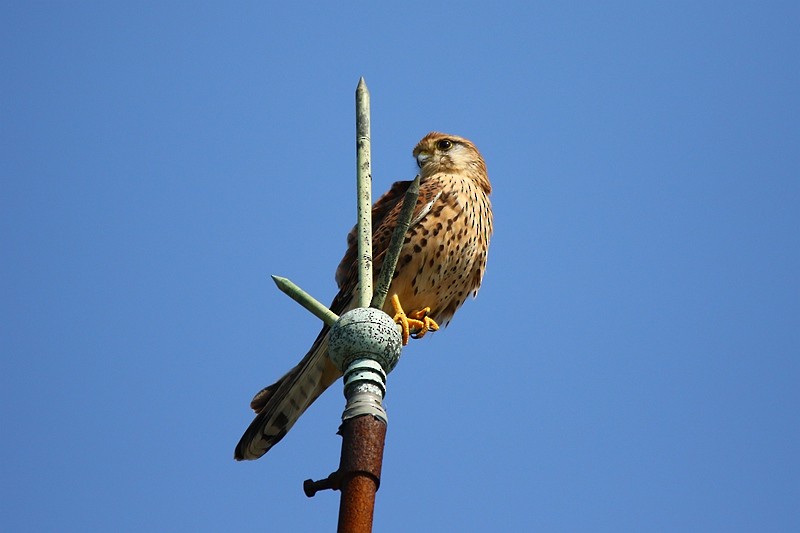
415 324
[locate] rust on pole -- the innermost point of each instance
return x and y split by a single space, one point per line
362 458
366 345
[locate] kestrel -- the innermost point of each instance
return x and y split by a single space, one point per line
442 261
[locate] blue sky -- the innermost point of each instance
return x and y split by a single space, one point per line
631 363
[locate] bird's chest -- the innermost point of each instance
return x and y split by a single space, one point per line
442 251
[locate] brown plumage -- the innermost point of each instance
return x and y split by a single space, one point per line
442 261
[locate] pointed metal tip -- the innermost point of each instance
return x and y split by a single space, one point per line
300 296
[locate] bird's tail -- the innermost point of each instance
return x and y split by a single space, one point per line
281 404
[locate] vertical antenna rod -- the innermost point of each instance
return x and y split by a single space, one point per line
363 157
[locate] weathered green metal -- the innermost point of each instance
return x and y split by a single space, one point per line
306 300
364 175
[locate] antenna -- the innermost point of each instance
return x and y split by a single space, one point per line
365 344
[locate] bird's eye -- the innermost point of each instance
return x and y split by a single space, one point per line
444 144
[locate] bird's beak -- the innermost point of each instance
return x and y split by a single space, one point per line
422 158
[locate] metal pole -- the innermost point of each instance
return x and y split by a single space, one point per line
362 458
359 479
306 300
365 344
364 176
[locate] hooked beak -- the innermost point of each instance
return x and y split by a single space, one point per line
422 158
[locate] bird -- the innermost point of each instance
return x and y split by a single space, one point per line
442 261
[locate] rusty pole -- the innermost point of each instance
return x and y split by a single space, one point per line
365 344
360 467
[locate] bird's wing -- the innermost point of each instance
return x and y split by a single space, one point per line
385 213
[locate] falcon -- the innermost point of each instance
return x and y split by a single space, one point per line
442 261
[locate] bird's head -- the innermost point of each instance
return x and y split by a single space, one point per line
443 153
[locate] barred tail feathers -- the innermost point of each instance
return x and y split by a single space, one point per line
280 405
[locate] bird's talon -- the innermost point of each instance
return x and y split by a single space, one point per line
422 322
415 324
